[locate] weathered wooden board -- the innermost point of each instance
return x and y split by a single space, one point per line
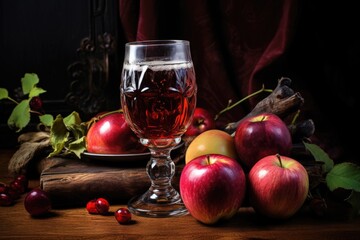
72 182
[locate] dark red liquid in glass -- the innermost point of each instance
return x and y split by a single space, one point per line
159 100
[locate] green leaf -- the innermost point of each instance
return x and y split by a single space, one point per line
354 200
3 93
36 91
58 136
320 156
28 82
77 130
20 116
78 146
344 175
46 119
72 119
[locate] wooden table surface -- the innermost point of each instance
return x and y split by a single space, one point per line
76 223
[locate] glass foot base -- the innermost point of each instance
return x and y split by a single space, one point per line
147 207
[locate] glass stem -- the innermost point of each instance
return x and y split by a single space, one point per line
161 170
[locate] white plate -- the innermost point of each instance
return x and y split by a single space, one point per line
131 157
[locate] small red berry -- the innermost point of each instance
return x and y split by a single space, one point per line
17 186
90 207
5 199
37 202
36 103
123 215
98 206
3 187
102 205
23 180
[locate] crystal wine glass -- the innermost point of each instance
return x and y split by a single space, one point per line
158 97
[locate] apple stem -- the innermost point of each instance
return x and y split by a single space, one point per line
200 121
229 107
279 158
208 159
295 117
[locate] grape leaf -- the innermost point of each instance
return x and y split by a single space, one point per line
78 146
3 93
28 82
354 200
320 156
74 125
77 130
58 136
20 116
344 175
72 118
36 91
46 119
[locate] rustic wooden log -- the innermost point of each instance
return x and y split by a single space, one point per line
73 182
283 101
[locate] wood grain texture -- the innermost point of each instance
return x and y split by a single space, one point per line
76 223
71 183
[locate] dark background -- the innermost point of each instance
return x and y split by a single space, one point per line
43 37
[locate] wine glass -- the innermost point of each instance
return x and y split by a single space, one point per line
158 96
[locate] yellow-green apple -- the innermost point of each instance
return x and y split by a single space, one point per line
110 134
211 141
212 187
261 135
202 120
278 186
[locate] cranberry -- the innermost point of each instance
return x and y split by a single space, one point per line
102 205
23 180
123 215
3 188
17 186
98 206
37 202
90 207
5 199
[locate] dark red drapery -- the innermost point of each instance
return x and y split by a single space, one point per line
239 45
231 41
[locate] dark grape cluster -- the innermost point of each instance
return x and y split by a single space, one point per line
10 192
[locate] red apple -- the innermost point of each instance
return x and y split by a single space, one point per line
212 187
213 141
261 135
278 186
112 135
202 120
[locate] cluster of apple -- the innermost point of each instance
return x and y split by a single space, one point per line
221 170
